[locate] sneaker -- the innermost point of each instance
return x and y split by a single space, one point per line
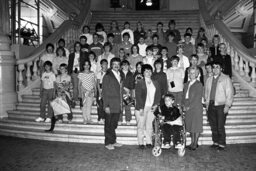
214 145
117 145
128 123
101 122
47 120
220 148
110 147
39 119
59 121
166 146
178 146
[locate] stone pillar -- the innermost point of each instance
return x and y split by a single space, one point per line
8 96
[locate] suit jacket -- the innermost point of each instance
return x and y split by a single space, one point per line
112 92
141 94
84 56
224 91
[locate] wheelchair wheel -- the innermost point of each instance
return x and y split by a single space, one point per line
181 152
156 151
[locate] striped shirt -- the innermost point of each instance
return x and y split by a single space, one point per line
87 79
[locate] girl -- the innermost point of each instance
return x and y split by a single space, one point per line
183 61
92 58
59 59
134 58
201 35
47 92
87 85
138 74
49 55
87 34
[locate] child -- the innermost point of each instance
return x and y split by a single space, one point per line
148 39
214 50
49 55
129 31
165 59
62 43
59 59
92 58
209 73
138 73
202 57
96 47
87 34
84 45
86 90
149 58
171 45
134 58
160 33
142 46
47 92
194 63
172 29
105 55
183 61
111 38
114 29
122 54
100 75
139 32
189 30
126 44
172 122
175 78
188 47
99 29
128 88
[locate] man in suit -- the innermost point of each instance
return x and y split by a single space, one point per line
112 102
219 98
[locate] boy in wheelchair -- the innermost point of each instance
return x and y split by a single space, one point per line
170 122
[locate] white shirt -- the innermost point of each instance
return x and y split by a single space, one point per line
149 60
117 75
76 61
89 38
142 49
47 57
183 62
175 74
150 93
48 79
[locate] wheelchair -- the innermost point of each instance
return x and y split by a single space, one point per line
157 136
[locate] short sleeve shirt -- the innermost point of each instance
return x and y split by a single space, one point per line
48 80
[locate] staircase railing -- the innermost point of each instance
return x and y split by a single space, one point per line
28 71
243 62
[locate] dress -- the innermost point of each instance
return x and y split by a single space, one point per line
194 113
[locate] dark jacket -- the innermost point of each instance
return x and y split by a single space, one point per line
128 80
214 51
137 35
161 78
84 56
141 94
170 113
111 92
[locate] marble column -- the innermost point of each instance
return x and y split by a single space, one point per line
8 95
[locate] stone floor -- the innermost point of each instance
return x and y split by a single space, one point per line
25 154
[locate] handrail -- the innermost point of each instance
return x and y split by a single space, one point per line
243 61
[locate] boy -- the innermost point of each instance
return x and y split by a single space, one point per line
96 46
171 45
99 76
165 59
175 77
128 88
128 30
126 44
149 58
142 46
84 45
172 122
188 47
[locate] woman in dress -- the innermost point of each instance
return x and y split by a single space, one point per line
192 105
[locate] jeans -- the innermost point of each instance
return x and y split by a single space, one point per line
217 120
128 114
47 95
111 122
74 80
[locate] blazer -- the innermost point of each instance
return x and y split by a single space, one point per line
112 92
141 94
84 56
224 91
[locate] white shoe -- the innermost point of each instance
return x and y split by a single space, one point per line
101 122
166 146
117 145
39 119
178 146
110 147
47 120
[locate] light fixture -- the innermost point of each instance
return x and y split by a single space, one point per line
149 3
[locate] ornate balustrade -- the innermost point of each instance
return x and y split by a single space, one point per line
28 71
243 62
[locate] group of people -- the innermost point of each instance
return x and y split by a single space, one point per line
114 69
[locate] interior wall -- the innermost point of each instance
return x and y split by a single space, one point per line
104 5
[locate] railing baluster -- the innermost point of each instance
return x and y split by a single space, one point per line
247 70
253 75
35 70
241 66
236 61
20 77
28 73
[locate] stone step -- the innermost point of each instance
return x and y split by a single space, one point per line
83 138
98 129
238 109
29 115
